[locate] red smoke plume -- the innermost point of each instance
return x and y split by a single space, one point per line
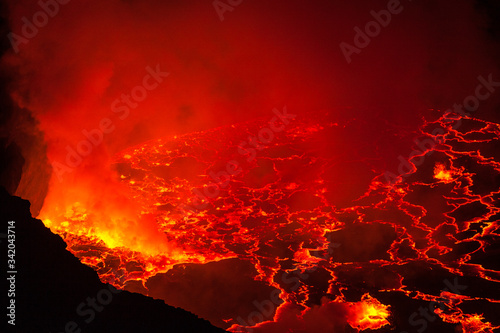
100 77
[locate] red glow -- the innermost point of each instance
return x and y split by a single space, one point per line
159 183
365 200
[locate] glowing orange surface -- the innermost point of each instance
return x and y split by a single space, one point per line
284 195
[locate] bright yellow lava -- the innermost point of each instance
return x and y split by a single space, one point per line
442 174
369 314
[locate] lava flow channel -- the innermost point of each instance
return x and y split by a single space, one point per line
311 231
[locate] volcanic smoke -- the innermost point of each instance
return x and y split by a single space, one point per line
269 166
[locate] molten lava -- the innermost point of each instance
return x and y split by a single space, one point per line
442 174
369 314
313 226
